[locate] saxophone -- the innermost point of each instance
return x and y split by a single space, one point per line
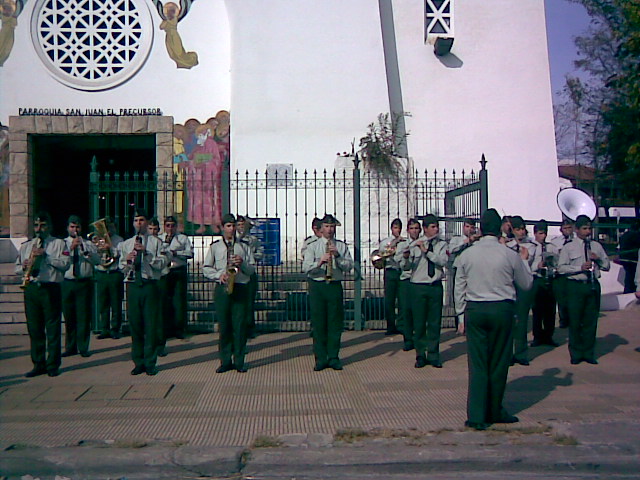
26 277
232 270
328 277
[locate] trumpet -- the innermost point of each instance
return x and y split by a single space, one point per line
232 270
378 257
33 264
102 240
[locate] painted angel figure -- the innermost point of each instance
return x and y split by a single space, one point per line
171 13
9 11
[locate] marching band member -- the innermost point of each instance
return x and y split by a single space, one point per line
164 319
457 245
525 247
404 295
42 262
316 227
110 291
486 279
325 262
426 260
230 264
544 302
77 290
582 260
244 226
177 278
142 262
391 275
560 283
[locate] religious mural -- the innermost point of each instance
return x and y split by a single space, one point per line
9 12
4 181
172 13
201 151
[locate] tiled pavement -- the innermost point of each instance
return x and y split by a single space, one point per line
96 399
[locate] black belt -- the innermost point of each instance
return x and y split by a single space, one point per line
86 279
437 283
108 271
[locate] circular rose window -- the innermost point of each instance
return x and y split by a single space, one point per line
92 44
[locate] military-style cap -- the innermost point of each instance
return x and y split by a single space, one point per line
139 212
490 222
517 222
429 219
541 226
582 220
228 218
170 219
246 219
470 221
330 220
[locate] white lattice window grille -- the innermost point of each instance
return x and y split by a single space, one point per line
438 19
92 44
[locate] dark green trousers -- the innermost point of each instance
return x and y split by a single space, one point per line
406 314
109 299
583 301
391 297
426 306
176 301
560 292
165 320
543 320
231 315
327 319
489 343
77 296
143 303
43 308
524 300
251 307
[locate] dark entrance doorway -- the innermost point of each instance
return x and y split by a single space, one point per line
62 164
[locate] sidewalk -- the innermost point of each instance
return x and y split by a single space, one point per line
387 411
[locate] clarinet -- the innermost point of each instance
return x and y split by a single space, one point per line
591 273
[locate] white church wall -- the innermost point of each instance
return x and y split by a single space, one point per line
493 97
198 92
307 78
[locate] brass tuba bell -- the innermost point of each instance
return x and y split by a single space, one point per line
102 241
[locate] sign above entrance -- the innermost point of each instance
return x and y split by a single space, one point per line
95 112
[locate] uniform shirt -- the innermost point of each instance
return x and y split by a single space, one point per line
638 274
551 252
527 243
390 262
87 256
254 245
54 263
116 240
180 248
153 261
487 273
342 263
216 261
559 241
458 243
418 262
573 256
305 244
402 247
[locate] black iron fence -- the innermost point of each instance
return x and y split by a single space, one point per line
283 202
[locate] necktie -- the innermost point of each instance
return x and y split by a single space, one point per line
430 265
137 264
566 240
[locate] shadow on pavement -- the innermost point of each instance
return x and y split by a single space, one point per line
535 387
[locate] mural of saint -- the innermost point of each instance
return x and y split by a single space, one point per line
9 18
171 14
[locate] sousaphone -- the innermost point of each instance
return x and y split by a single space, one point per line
574 202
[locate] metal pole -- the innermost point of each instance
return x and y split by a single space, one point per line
357 274
484 186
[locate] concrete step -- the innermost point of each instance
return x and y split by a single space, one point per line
12 317
11 288
10 297
11 307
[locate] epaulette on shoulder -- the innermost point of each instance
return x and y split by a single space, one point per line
216 240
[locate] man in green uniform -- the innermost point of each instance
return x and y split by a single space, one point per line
110 282
230 264
581 262
326 261
486 278
560 283
244 226
42 262
404 294
142 261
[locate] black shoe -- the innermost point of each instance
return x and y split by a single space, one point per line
115 335
138 370
162 351
520 361
477 425
102 336
335 363
69 353
393 331
575 361
435 363
319 366
35 372
537 343
508 419
563 325
241 369
152 371
407 347
180 336
54 372
420 362
590 361
551 343
85 354
224 368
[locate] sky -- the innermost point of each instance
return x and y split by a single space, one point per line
565 20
